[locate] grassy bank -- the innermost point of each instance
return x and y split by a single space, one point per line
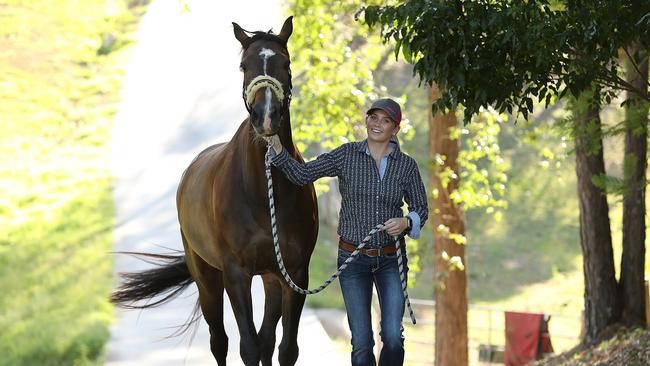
61 65
627 347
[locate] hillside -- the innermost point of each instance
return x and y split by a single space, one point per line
62 63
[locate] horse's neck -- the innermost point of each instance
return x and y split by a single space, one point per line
286 137
252 149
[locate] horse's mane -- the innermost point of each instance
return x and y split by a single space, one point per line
267 36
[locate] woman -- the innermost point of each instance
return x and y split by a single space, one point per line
375 178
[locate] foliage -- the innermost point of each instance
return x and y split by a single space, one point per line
505 54
483 175
530 260
613 184
333 65
61 71
539 223
482 180
571 48
333 62
333 87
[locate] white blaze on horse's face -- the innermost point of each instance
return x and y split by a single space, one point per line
265 54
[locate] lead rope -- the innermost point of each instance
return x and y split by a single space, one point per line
352 257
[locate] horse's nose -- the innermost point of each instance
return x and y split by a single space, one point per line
273 113
262 111
262 115
256 112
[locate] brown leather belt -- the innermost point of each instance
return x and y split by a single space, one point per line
371 252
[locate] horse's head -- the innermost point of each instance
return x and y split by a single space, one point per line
267 76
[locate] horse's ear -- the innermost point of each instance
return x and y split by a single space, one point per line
287 29
241 36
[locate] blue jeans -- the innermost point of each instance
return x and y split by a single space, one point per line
356 284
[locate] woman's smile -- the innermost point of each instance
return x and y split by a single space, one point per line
379 126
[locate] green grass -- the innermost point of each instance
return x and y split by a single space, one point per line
59 94
538 235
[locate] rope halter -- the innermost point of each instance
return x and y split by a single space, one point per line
263 81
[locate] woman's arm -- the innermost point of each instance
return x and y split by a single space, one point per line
325 165
416 199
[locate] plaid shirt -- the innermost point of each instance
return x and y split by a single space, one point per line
367 198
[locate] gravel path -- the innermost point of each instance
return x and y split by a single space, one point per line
182 93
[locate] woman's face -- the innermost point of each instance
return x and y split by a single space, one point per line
379 126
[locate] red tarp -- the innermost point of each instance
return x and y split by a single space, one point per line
527 338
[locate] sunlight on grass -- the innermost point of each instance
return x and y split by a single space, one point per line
561 297
59 96
55 277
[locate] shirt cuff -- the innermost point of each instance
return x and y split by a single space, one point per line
281 158
415 229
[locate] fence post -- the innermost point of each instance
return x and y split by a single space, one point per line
490 328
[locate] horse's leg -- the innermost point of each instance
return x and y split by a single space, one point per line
292 303
212 307
272 313
238 286
209 281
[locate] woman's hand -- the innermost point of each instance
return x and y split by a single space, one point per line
275 143
396 225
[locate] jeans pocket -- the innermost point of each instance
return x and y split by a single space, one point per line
342 256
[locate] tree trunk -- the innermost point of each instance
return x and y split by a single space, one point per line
601 300
451 286
631 284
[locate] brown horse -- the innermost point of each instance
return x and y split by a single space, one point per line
223 211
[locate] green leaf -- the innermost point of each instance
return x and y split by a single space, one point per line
406 51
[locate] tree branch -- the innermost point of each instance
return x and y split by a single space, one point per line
619 83
636 67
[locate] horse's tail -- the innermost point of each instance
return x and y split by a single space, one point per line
168 279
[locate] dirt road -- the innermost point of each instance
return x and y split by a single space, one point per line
182 93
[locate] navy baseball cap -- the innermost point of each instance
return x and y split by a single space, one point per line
389 106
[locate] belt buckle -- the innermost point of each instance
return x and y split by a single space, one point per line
373 252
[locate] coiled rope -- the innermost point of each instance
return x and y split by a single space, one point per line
352 257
